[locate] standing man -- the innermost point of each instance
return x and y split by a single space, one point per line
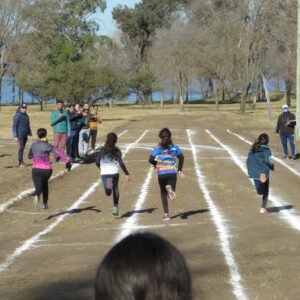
94 121
285 127
75 119
21 131
84 134
61 126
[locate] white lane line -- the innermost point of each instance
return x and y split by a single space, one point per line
223 232
151 226
128 226
24 194
279 160
291 219
72 244
27 245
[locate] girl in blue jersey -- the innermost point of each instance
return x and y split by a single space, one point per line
259 164
163 158
109 159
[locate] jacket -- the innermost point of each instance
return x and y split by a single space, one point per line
39 153
60 125
94 120
75 117
259 162
282 123
21 125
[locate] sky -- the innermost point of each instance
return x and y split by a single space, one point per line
105 20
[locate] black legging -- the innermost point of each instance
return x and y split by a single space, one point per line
40 179
263 190
115 187
163 180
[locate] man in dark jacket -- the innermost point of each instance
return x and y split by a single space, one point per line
21 131
285 127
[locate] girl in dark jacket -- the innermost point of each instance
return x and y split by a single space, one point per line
259 164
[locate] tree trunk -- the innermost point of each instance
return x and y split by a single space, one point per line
110 102
288 91
148 99
138 97
41 104
181 103
277 84
1 92
13 91
161 92
244 97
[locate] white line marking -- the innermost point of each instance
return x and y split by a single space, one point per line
24 194
235 277
286 215
127 227
73 244
152 226
279 160
27 245
10 211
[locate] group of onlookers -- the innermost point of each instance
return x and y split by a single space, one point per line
73 129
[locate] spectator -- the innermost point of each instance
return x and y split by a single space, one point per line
61 126
75 117
285 127
143 266
84 134
21 131
94 121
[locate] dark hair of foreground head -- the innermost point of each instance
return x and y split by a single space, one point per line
143 266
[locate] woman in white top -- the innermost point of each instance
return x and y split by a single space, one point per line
109 159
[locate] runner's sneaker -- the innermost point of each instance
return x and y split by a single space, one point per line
36 202
109 183
166 217
22 164
171 193
46 206
115 211
263 211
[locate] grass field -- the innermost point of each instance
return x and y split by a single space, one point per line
232 251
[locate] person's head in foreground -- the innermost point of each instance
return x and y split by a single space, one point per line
165 136
143 266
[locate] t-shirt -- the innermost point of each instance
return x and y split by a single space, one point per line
166 159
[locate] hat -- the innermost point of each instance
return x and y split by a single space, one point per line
24 105
59 101
285 106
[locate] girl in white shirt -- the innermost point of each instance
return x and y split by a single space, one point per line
109 159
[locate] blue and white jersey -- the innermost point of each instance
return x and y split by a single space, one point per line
166 159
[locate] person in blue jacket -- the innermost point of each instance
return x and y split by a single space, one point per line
21 131
259 164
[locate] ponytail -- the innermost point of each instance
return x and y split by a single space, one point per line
165 137
110 147
263 139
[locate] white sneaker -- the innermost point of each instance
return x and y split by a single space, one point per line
46 206
166 217
36 202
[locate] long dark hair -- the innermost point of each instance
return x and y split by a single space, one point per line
143 266
110 147
165 137
263 139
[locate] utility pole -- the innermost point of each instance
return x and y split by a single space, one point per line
298 76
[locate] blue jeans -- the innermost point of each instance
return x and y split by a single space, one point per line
73 139
262 189
288 137
22 144
114 189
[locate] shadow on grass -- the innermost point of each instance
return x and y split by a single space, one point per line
187 214
135 212
64 290
277 209
5 155
75 211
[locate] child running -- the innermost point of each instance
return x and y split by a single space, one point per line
259 164
163 158
41 165
108 160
